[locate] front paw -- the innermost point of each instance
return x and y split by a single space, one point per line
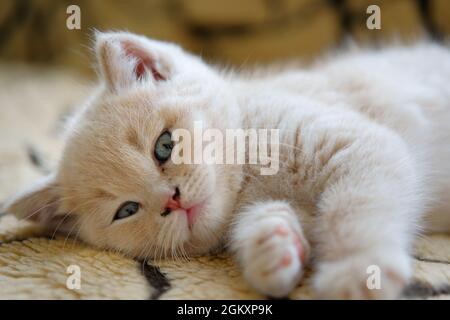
274 255
376 275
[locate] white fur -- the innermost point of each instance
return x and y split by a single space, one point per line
372 158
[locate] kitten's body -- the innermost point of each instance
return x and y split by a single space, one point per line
403 89
363 156
367 130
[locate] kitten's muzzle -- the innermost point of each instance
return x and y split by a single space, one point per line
174 204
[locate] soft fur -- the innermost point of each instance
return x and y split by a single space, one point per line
364 164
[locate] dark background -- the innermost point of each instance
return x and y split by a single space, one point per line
234 32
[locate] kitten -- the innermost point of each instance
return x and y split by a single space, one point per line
364 156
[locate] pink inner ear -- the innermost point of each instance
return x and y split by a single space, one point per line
144 61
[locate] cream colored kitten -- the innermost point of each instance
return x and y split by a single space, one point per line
364 155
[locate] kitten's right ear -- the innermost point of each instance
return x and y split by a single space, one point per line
126 58
41 204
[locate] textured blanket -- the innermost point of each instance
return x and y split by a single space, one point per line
37 265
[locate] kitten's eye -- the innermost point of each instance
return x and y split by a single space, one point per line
163 147
126 210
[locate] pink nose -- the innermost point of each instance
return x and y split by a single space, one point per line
174 202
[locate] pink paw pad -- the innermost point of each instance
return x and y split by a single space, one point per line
286 260
281 230
300 249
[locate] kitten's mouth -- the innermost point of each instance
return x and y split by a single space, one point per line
191 212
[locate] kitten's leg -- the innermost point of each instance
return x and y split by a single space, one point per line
367 216
269 244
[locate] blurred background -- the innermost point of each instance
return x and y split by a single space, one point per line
233 32
46 69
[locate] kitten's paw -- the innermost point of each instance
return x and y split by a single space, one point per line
377 275
274 255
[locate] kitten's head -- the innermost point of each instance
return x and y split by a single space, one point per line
116 185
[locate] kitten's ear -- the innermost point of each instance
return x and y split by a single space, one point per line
126 58
40 204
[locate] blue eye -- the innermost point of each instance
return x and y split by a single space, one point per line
163 147
126 210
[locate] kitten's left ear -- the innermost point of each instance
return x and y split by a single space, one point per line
126 58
